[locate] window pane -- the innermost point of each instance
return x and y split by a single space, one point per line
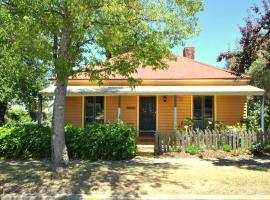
203 112
198 124
209 107
209 110
99 109
89 110
197 108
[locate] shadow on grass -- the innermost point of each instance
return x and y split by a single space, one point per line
256 164
119 178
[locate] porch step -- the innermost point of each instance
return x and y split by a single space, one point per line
145 140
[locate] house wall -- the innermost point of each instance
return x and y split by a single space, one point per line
228 109
128 109
111 108
231 109
184 108
165 113
74 111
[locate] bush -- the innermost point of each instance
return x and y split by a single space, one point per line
17 115
227 148
267 148
191 149
256 148
99 141
220 126
25 141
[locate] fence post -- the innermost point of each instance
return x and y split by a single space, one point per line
206 139
157 145
198 139
234 139
183 139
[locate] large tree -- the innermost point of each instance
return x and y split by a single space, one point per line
254 43
252 55
21 77
75 33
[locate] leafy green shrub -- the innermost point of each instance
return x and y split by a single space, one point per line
191 149
17 115
220 126
256 148
187 124
101 141
25 141
267 148
227 148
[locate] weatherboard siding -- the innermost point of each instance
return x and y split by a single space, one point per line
165 113
184 108
231 109
74 111
128 109
111 108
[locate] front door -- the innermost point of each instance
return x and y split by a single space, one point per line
147 114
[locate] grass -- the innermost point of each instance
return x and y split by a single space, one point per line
140 176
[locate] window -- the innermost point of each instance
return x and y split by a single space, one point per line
94 110
203 112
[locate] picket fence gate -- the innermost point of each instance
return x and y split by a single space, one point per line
208 139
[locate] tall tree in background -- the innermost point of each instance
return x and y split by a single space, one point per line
21 77
253 54
75 33
254 42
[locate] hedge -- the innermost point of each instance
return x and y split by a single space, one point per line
99 141
25 141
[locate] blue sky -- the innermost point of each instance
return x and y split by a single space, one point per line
219 23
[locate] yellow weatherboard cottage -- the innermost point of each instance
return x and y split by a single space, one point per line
163 100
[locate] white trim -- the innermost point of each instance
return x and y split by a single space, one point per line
83 111
157 97
157 90
138 114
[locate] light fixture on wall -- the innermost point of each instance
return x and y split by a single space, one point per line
164 99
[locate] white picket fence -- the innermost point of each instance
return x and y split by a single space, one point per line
168 141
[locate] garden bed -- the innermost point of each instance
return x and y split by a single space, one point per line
216 154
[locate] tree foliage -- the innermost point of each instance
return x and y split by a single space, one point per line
110 37
96 30
21 77
252 57
254 42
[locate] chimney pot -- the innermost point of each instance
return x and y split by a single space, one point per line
189 52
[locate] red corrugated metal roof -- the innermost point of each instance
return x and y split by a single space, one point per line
180 69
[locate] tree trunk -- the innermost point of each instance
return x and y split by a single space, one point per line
59 149
3 109
63 66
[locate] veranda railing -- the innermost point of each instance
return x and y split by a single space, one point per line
167 141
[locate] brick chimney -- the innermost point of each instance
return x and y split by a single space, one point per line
189 52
